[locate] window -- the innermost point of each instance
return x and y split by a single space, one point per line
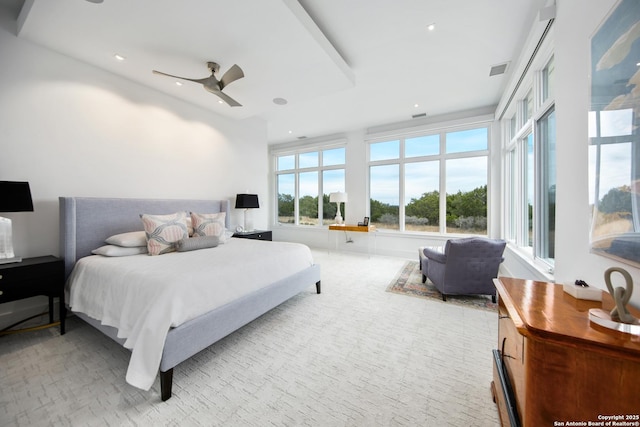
435 182
300 179
530 169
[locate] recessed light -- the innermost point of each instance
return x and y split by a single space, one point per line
290 132
280 101
416 105
95 1
119 57
431 26
220 101
178 83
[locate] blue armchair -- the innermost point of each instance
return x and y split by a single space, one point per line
466 267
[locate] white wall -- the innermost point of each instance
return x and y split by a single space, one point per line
575 24
73 130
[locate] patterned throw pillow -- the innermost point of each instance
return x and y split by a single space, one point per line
208 225
163 231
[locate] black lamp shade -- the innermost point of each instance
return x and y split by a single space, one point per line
247 201
15 197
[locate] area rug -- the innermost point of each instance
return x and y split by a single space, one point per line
409 282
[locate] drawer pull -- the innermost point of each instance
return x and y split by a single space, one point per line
502 353
503 317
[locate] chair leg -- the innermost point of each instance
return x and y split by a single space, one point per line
424 278
444 297
493 298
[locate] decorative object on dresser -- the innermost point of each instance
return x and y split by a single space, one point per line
33 277
15 196
553 365
246 202
337 198
619 318
255 234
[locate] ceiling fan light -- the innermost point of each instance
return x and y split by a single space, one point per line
119 57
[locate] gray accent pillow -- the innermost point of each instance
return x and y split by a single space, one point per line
195 243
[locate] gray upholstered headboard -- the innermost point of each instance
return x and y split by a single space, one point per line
85 222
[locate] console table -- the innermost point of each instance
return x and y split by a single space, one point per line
358 229
554 366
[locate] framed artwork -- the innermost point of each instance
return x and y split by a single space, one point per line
614 136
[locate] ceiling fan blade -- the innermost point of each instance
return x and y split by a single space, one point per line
182 78
234 73
226 98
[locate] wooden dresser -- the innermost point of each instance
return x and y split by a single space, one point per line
553 367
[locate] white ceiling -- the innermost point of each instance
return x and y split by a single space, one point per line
341 65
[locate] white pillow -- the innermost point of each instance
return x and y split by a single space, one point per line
112 250
128 240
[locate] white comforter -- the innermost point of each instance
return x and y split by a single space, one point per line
143 296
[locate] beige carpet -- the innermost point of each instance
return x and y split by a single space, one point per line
353 356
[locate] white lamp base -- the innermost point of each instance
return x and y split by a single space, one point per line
338 218
6 240
248 221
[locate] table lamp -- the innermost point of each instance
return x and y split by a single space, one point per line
14 197
246 202
337 198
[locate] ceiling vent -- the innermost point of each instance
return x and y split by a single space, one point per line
496 70
417 116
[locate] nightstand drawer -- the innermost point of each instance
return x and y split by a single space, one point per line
33 277
25 272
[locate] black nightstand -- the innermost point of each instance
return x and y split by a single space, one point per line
255 234
32 277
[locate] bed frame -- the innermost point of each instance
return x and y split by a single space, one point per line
85 223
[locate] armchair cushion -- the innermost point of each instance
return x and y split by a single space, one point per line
435 255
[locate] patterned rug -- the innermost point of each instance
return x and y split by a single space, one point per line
409 282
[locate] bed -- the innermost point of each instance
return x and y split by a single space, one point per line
246 290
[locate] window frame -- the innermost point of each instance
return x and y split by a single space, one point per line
296 150
515 211
441 158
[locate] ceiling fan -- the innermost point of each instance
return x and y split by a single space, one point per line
212 84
